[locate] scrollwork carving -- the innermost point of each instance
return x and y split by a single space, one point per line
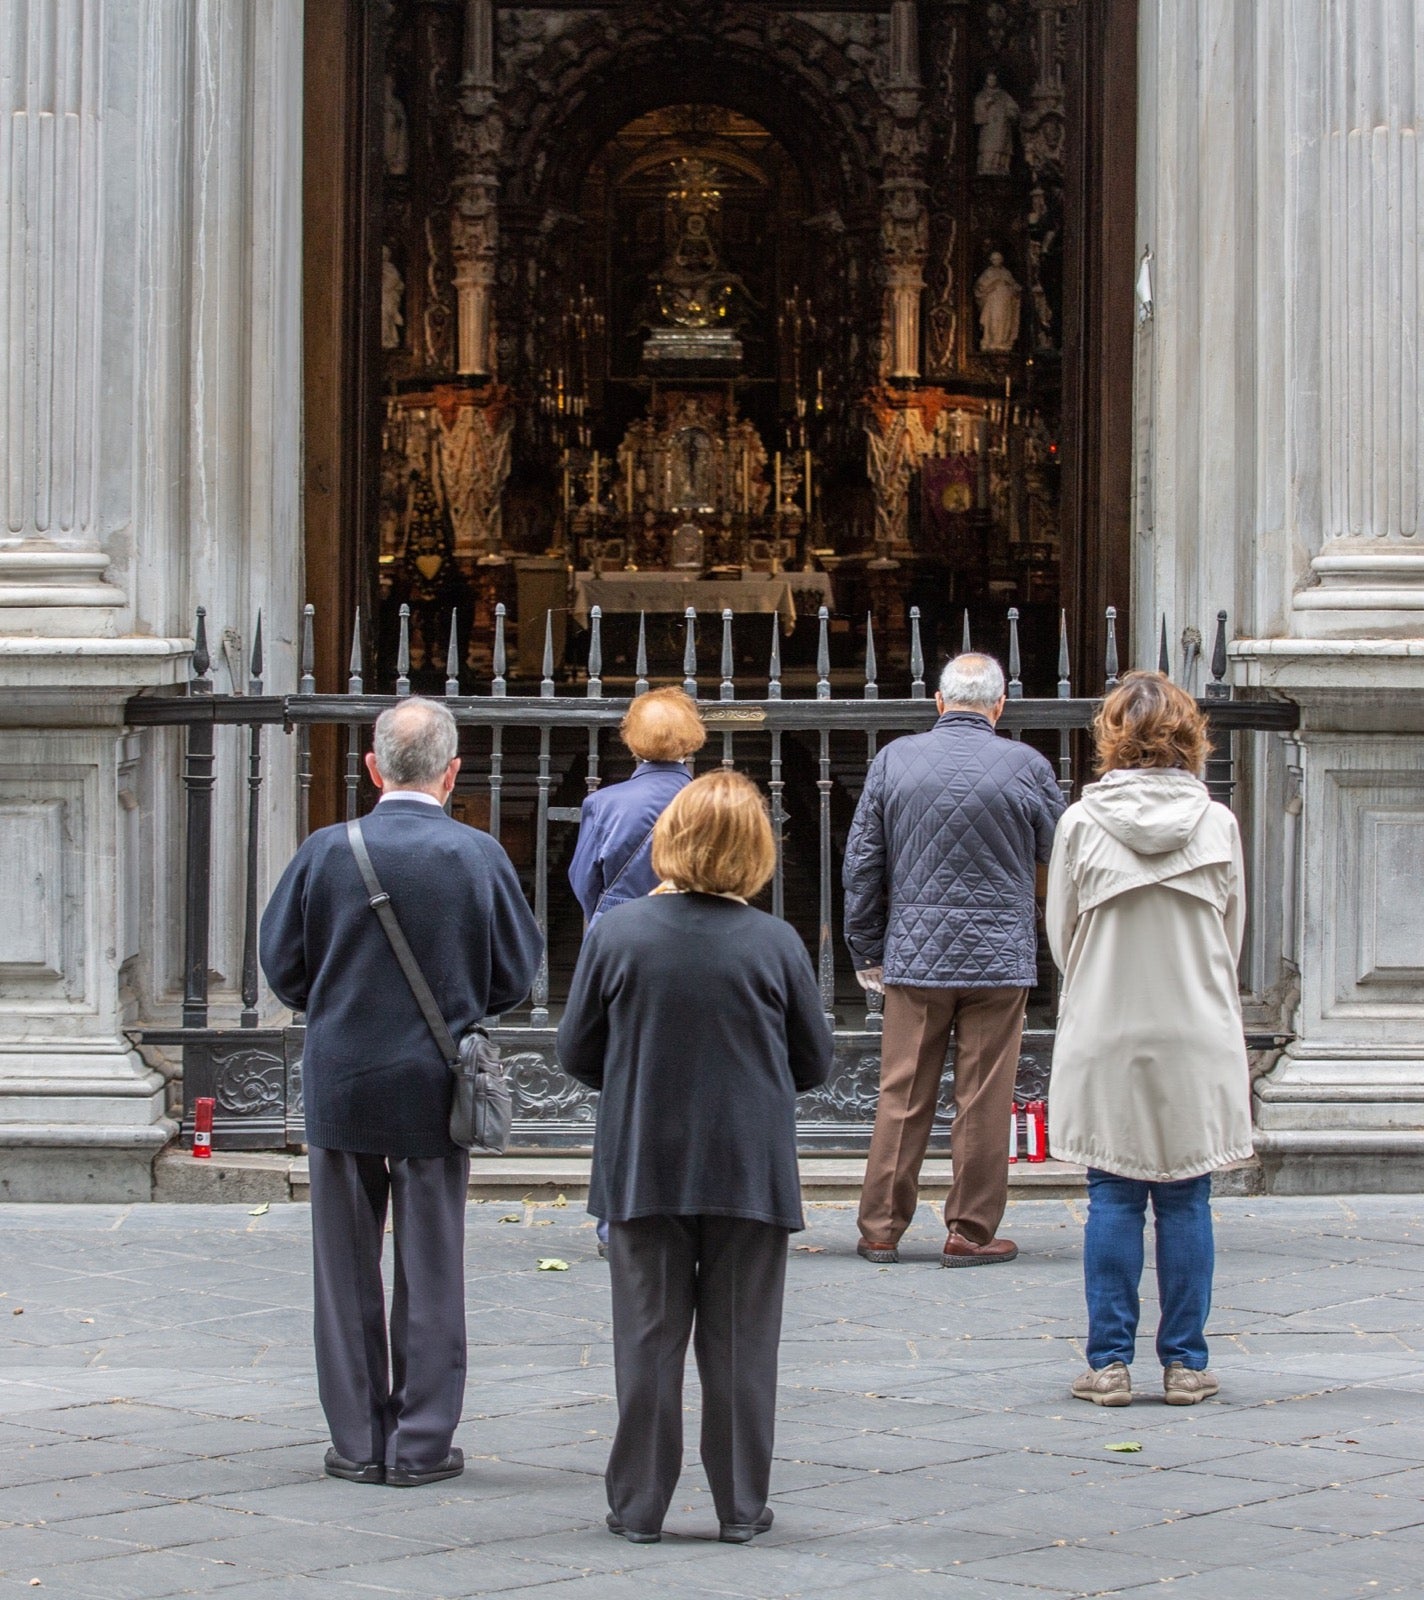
249 1082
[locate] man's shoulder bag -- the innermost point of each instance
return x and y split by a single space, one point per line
482 1106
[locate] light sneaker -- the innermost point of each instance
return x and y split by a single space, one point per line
1183 1387
1108 1386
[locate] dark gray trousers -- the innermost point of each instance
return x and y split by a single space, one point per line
725 1277
392 1397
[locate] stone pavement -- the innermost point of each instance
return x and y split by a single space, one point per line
159 1433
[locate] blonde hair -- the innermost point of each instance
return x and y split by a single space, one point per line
663 726
715 837
1147 721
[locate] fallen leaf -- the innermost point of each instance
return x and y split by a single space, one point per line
260 1211
513 1216
559 1202
1126 1447
543 1222
86 1319
811 1249
552 1264
19 1311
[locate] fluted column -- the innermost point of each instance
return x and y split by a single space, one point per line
52 136
1370 566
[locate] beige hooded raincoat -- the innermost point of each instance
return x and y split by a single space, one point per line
1145 917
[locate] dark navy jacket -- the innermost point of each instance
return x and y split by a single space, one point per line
699 1020
614 837
939 865
373 1078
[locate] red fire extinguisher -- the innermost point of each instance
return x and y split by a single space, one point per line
203 1108
1013 1134
1036 1124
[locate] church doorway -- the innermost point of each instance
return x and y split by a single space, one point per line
838 298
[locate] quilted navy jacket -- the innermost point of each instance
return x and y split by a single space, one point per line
939 866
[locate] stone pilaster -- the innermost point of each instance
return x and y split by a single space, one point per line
52 172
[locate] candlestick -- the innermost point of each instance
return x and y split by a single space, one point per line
628 481
808 488
593 484
777 507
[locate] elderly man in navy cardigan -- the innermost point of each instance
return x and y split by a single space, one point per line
377 1091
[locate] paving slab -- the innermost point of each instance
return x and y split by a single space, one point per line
160 1434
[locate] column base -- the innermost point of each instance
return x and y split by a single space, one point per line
1342 1119
1364 590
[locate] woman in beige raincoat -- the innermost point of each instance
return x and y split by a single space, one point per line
1150 1088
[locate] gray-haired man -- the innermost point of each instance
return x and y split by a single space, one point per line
939 912
377 1092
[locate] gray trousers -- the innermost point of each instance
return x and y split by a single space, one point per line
725 1277
396 1396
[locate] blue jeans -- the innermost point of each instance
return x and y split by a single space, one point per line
1112 1267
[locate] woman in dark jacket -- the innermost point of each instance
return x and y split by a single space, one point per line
613 857
699 1019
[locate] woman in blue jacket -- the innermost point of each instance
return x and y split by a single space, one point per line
613 858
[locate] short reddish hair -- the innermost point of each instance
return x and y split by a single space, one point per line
663 726
1147 721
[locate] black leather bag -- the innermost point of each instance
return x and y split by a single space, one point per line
482 1107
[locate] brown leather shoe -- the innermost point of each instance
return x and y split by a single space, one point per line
962 1252
883 1255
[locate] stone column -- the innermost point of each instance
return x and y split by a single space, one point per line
1369 568
479 137
52 131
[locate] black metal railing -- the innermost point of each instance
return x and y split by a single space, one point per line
810 749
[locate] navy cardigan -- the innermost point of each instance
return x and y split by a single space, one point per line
372 1075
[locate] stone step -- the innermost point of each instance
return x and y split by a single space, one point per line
252 1177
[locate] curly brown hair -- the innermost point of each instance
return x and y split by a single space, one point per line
1147 721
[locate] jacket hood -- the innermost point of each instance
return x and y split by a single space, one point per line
1151 812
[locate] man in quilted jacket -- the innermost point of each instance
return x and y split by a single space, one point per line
939 913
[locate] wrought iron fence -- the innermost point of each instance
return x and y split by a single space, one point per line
810 751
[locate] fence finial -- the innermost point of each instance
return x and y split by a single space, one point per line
254 678
308 683
452 656
1112 648
546 683
403 654
354 682
1218 688
640 667
689 653
202 658
823 655
1015 688
595 653
964 644
728 690
497 685
872 689
917 657
1065 682
1164 658
773 686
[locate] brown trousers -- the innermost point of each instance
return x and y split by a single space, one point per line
988 1025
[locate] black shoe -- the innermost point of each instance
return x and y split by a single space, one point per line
632 1535
745 1532
412 1477
338 1466
603 1249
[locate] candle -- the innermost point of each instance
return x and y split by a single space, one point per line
568 492
777 507
628 479
808 488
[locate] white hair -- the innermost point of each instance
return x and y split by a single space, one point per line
414 742
973 681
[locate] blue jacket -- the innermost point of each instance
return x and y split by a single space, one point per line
615 829
939 866
372 1075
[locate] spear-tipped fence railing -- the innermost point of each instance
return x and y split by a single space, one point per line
790 744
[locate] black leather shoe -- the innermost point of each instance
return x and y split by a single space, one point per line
412 1477
745 1532
338 1466
632 1535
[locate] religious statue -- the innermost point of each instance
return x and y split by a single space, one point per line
998 294
995 113
693 289
392 292
397 133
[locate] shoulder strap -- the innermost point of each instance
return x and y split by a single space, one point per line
380 903
618 876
